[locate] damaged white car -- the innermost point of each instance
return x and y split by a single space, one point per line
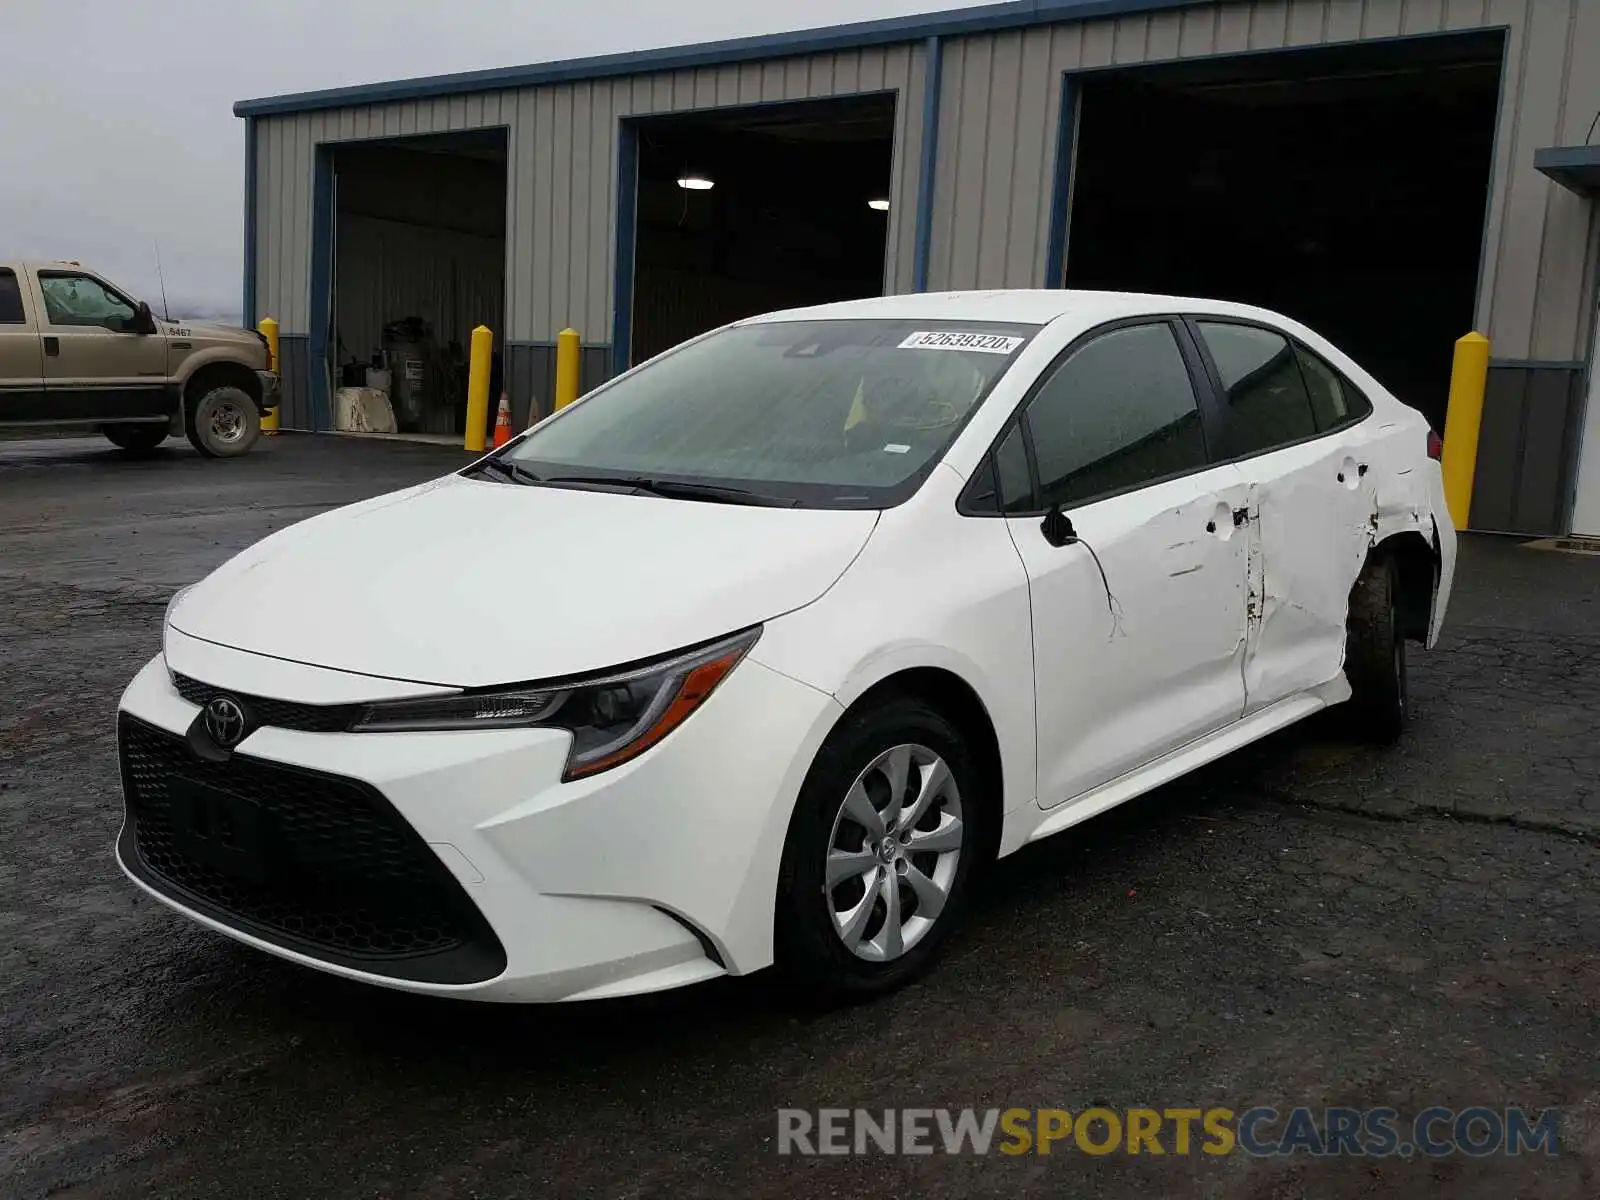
814 615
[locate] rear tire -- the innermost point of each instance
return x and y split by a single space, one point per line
223 422
138 438
901 869
1375 654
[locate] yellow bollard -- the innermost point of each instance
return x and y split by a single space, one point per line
478 389
269 330
566 367
1468 377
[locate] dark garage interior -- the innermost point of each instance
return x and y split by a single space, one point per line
1343 187
419 260
789 218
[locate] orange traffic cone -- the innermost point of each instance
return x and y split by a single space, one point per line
502 422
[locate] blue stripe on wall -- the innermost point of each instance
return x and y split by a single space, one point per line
250 201
932 78
1055 264
984 19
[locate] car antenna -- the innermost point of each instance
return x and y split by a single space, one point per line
166 310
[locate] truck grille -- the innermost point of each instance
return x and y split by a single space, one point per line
263 710
315 863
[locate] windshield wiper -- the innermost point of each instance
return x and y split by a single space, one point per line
507 470
677 489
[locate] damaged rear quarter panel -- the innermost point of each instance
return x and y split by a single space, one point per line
1322 507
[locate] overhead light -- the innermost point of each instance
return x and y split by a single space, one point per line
695 182
879 205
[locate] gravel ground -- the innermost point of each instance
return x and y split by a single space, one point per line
1307 922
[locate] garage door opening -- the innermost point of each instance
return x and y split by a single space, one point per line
419 261
1344 187
742 211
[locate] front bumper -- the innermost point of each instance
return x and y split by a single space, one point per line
658 873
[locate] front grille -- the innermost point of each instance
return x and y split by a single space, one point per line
263 710
312 862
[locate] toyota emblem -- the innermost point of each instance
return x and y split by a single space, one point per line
225 722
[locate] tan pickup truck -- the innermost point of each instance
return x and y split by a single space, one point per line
77 350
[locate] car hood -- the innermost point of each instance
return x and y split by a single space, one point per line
468 583
209 330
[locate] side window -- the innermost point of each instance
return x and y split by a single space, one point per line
1333 401
1002 482
1267 404
1120 412
10 299
80 300
1011 469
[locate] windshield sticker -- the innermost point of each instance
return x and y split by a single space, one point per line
897 448
983 343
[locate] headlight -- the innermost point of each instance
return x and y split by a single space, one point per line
612 718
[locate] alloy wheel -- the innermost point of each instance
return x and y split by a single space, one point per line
893 853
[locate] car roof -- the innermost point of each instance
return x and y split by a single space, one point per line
1027 306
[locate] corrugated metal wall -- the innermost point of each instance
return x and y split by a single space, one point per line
562 174
564 162
284 151
1001 97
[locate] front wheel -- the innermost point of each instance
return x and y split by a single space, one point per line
1375 654
223 423
140 438
879 853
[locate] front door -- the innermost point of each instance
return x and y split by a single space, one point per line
21 373
1291 425
95 366
1139 621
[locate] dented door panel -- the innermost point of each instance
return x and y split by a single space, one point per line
1149 657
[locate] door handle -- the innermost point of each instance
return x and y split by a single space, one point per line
1241 516
52 346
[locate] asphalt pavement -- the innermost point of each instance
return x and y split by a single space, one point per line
1308 922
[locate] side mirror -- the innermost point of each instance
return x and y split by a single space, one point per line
1057 528
144 320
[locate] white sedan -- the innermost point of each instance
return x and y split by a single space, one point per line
759 651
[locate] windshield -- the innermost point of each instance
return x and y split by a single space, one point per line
838 414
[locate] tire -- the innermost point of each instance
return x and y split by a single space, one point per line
138 438
812 950
223 422
1375 654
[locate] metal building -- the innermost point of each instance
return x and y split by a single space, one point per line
1394 172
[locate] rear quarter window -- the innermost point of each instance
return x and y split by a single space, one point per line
11 299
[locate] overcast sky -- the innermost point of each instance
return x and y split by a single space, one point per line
118 128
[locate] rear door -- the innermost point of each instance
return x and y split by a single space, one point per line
21 370
1139 622
1292 425
95 366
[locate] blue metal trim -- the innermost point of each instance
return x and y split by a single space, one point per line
1055 263
932 80
250 202
983 19
1576 168
1480 314
627 223
1539 364
321 314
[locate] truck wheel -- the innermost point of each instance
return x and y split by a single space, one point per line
1375 654
223 423
136 439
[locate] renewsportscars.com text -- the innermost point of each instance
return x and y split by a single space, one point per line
1259 1131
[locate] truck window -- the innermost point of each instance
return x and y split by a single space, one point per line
10 299
79 300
